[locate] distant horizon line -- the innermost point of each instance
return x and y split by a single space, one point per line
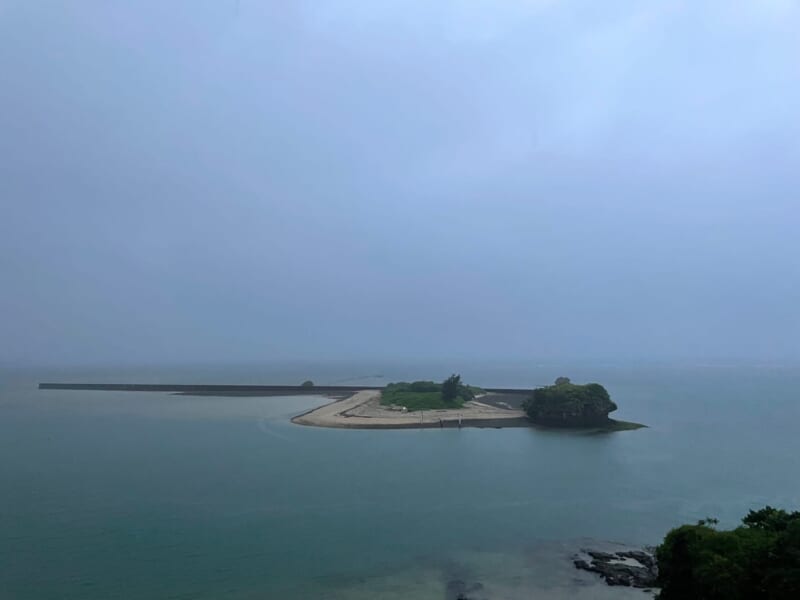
445 362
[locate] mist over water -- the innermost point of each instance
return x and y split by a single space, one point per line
131 495
234 192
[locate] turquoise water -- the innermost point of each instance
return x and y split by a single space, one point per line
147 495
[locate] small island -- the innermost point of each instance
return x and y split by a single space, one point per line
569 405
452 403
419 404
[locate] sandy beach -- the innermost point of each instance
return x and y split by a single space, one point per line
363 410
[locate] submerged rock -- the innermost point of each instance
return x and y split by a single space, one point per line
606 556
460 590
648 560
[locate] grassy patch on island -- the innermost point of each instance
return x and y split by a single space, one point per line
429 395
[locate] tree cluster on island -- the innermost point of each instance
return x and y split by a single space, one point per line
568 404
759 560
429 395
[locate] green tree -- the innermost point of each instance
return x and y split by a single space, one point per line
759 560
569 404
451 388
770 519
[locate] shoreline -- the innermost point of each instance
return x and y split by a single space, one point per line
358 407
362 410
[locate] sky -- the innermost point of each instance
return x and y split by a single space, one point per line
233 180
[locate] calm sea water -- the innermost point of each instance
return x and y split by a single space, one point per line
143 495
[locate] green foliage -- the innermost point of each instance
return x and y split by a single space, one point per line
414 400
307 383
450 388
759 560
474 390
424 386
569 403
770 519
428 395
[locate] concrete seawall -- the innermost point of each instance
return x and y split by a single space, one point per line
232 389
205 388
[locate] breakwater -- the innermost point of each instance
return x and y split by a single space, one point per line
225 389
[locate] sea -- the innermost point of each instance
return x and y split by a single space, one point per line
129 495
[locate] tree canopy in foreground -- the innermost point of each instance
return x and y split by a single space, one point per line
759 560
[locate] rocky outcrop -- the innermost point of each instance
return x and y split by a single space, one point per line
566 404
635 568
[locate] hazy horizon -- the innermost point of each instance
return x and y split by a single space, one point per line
437 366
237 182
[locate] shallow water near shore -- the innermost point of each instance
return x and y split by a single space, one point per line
152 495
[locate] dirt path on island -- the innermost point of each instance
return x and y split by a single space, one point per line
363 410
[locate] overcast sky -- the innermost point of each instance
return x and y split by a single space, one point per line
232 181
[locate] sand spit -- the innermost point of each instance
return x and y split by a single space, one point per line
363 410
